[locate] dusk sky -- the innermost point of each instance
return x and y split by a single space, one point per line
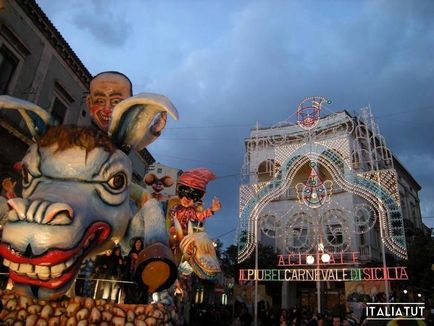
227 65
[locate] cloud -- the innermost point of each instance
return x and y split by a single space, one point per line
227 65
102 19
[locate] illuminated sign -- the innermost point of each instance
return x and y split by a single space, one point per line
325 274
341 258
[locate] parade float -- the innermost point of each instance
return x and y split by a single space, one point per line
77 183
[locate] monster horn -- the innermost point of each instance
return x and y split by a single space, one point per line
36 118
132 118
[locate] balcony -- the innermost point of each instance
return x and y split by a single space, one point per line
365 253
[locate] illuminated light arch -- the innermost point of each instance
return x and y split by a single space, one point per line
363 185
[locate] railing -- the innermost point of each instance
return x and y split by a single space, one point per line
365 253
96 286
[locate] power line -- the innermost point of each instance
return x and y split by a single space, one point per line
187 159
210 126
226 233
415 110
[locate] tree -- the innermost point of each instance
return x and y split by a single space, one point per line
420 254
231 267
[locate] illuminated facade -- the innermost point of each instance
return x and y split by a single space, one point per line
327 184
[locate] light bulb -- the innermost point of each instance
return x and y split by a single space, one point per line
325 258
310 259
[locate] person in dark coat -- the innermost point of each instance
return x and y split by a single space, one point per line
115 265
134 293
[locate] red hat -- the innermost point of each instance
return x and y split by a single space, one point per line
196 178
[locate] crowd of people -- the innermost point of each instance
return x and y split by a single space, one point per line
114 273
242 315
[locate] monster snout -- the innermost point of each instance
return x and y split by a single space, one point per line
40 212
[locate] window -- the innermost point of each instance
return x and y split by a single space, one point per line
267 169
8 64
62 100
334 235
362 239
58 111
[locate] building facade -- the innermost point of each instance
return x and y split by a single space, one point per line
334 187
38 65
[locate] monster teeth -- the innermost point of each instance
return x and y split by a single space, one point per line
32 210
44 277
39 215
12 216
42 269
25 269
19 205
14 266
57 270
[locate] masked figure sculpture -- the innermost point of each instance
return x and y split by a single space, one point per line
192 246
76 188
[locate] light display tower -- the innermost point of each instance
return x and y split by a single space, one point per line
321 183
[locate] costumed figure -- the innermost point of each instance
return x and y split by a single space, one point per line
193 248
158 184
187 206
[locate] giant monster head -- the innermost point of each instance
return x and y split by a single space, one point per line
75 194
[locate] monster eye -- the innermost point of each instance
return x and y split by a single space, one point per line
118 181
27 177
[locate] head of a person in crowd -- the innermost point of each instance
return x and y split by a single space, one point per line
107 89
336 320
117 251
138 245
